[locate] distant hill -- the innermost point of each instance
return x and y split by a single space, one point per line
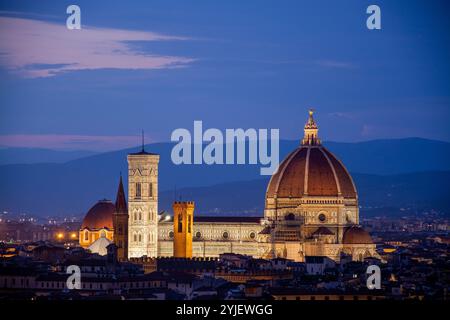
393 156
413 191
72 187
37 155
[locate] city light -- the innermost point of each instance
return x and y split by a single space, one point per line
60 235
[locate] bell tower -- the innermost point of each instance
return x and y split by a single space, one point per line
183 223
143 204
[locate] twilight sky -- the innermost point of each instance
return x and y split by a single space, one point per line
160 65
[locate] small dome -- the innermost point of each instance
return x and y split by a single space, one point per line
356 235
100 246
100 216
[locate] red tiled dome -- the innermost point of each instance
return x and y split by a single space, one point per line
356 235
311 170
99 216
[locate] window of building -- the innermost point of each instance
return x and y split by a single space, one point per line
171 234
135 237
86 235
252 235
225 235
180 223
322 217
189 223
140 237
150 189
290 216
151 216
198 235
138 190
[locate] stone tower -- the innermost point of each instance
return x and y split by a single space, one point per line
143 204
183 222
120 223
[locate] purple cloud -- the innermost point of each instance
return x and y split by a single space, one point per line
34 48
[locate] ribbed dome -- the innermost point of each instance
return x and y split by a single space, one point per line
311 170
99 216
356 235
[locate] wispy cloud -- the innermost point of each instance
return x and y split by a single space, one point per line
346 115
34 48
70 142
335 64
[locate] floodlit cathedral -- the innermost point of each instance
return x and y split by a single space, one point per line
311 209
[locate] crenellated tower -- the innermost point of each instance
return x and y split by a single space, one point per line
183 224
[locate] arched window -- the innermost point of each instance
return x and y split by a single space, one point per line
140 216
86 235
189 223
180 223
103 234
151 216
150 189
140 237
290 216
138 190
135 237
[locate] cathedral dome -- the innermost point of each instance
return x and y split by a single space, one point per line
100 216
311 170
356 235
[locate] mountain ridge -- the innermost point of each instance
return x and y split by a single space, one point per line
73 186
